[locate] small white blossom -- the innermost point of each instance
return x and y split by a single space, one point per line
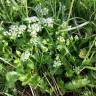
33 34
32 19
22 27
47 22
13 31
13 28
34 28
57 61
43 21
40 10
25 56
34 41
6 33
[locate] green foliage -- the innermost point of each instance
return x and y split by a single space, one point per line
75 84
49 46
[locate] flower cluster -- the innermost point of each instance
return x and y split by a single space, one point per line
57 61
34 26
32 19
35 41
34 29
15 31
25 56
47 22
40 10
60 39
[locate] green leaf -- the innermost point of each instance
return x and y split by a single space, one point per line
11 78
30 64
78 83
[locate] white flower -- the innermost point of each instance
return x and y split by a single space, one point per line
57 61
6 33
43 21
40 10
25 56
22 27
49 21
13 31
34 28
13 28
32 19
33 34
34 41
